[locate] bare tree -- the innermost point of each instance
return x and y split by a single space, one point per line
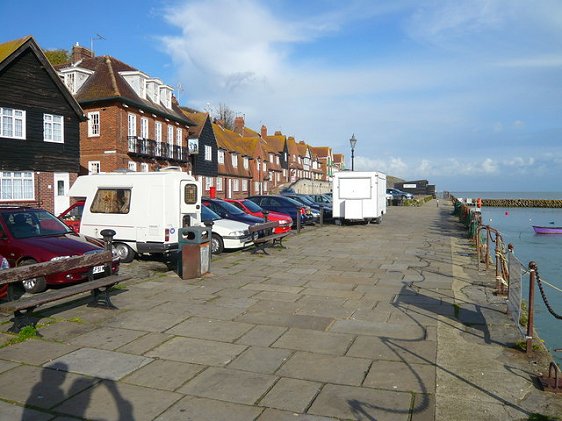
223 113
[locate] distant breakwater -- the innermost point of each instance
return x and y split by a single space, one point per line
521 203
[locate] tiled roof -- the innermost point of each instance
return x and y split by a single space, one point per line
321 151
198 118
338 157
106 83
302 148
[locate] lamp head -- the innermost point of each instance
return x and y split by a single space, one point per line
352 141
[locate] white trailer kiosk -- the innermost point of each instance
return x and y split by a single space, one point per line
358 196
145 209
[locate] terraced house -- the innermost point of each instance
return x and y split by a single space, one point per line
134 121
39 129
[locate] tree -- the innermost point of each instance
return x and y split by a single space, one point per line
57 56
223 113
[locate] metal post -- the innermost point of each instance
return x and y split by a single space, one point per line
478 251
532 275
321 215
298 221
107 235
488 235
265 213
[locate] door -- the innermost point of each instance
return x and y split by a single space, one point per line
190 202
60 191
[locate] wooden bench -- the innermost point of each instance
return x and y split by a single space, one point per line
23 308
266 235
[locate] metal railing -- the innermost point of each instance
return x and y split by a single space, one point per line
151 148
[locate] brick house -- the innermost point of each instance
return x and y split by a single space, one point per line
134 121
277 144
39 129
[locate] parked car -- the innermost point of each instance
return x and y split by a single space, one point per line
321 199
4 288
251 208
285 205
33 235
226 233
73 215
229 211
399 194
314 207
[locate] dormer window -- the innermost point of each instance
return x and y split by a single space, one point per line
270 157
74 78
137 81
166 96
234 161
153 90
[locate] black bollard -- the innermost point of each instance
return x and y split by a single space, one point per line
321 215
107 235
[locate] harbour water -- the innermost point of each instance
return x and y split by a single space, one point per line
515 225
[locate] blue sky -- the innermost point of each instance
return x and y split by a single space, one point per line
463 93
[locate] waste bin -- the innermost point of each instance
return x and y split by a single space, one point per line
194 245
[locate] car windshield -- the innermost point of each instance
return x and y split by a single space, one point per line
208 215
31 223
293 202
229 207
252 206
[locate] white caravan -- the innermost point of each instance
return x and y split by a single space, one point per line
358 196
145 209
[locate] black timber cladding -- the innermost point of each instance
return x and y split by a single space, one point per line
202 166
27 85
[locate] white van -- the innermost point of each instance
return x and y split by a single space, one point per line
358 196
145 209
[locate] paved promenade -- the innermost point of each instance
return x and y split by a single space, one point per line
363 322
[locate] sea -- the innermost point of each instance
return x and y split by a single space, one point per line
515 226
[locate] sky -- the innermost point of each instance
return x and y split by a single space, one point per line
463 93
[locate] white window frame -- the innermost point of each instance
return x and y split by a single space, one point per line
208 183
235 184
50 123
144 127
94 128
257 187
277 159
17 120
220 156
144 167
170 134
131 125
264 166
17 185
179 135
94 167
132 166
219 183
246 162
244 185
234 160
158 131
208 153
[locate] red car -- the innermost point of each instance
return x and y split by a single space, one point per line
285 221
73 215
31 235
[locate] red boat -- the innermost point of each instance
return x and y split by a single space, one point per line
547 230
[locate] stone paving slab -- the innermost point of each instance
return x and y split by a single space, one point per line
164 374
197 351
358 403
398 375
202 409
261 360
291 395
229 385
278 415
101 363
42 387
35 351
261 335
314 341
212 329
10 411
119 401
326 368
107 338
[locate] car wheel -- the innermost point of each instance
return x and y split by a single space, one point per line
217 245
125 253
33 285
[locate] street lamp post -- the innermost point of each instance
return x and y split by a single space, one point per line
352 142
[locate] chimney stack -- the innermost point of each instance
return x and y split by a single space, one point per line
80 53
239 125
263 131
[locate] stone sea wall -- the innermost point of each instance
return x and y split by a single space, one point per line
521 203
